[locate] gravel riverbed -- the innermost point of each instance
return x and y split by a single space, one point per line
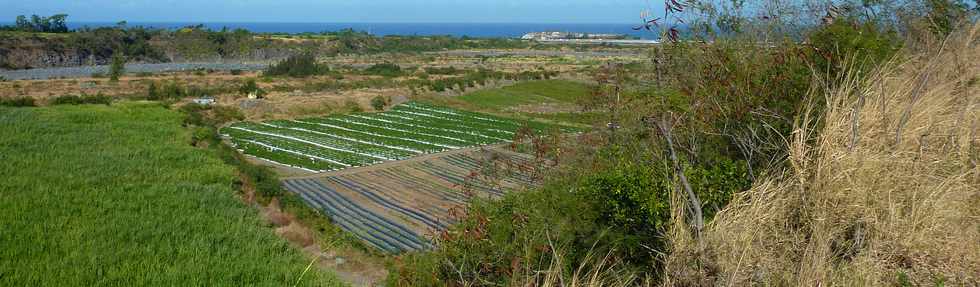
87 71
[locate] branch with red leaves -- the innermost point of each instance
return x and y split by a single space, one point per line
671 9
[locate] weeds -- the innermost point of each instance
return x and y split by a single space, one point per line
833 217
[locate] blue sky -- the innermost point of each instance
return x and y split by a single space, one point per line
465 11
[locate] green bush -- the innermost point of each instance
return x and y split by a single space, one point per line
117 68
83 99
172 90
846 40
386 69
442 70
352 107
204 116
18 102
632 199
249 87
298 66
379 102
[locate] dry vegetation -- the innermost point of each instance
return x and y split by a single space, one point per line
885 190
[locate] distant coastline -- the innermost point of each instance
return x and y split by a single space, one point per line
478 30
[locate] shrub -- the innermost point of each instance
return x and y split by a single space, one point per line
298 66
225 114
379 102
204 116
386 69
18 102
236 72
83 99
352 107
250 87
442 70
172 90
836 44
117 68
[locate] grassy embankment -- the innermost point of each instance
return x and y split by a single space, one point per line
116 195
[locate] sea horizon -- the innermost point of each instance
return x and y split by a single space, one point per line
477 30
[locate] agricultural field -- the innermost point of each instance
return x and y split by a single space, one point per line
527 93
345 141
397 208
115 195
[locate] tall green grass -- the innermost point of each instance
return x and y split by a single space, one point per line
115 195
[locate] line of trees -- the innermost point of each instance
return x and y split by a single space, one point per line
52 24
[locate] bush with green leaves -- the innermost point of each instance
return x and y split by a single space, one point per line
117 68
250 87
379 102
18 102
209 116
852 43
385 69
173 90
352 107
99 99
298 66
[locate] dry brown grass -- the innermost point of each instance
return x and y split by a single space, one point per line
884 191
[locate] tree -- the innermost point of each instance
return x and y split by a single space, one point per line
56 24
117 68
22 24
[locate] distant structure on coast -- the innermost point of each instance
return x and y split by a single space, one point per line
583 38
569 36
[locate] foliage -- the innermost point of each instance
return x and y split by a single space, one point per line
249 87
297 66
99 99
478 77
53 24
350 41
849 42
944 16
69 207
379 102
210 115
117 68
352 107
18 102
385 69
443 70
173 90
105 42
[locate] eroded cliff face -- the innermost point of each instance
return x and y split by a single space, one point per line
36 52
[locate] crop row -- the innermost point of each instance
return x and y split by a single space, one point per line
389 208
335 142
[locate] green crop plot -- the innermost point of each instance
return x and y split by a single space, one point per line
98 195
411 129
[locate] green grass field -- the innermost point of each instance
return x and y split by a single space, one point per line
534 92
99 195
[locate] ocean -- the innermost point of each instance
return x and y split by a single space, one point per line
477 30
